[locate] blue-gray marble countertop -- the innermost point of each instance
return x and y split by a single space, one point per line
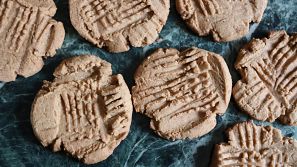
19 147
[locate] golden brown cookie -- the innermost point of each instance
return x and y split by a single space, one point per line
268 88
27 34
182 92
225 20
251 145
86 111
117 24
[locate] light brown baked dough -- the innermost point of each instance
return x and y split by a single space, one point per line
251 145
225 20
182 92
86 111
117 24
268 88
27 34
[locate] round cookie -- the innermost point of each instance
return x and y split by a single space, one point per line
86 111
251 145
225 20
268 88
27 34
182 92
117 24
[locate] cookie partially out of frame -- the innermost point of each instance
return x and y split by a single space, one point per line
268 88
119 24
27 34
225 20
86 111
182 92
251 145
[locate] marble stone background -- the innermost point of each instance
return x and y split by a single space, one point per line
19 147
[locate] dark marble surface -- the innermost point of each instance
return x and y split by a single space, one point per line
19 147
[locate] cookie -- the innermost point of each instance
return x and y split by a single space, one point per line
117 24
225 20
268 88
182 92
251 145
27 34
86 111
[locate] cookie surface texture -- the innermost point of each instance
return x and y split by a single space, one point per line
268 88
119 24
182 92
27 34
225 20
86 111
251 145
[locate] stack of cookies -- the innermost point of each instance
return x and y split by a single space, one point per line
86 110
